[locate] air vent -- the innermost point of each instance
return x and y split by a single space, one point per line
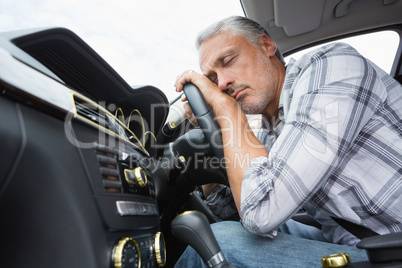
90 112
99 117
107 160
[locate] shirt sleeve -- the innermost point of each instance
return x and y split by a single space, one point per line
329 104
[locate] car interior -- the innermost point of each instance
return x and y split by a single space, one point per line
97 173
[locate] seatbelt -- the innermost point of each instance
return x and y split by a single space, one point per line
356 230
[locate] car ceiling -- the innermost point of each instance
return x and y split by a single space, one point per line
293 24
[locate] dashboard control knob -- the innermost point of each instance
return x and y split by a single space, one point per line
160 249
126 254
136 176
141 177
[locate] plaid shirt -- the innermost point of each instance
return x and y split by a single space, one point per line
337 151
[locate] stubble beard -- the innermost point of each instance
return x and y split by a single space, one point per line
255 104
261 95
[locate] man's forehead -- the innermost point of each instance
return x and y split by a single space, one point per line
217 46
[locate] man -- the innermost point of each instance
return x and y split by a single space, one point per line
330 143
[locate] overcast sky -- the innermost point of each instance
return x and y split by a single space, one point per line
147 42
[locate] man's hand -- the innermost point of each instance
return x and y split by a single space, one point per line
213 96
181 80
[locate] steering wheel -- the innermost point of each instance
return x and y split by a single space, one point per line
206 119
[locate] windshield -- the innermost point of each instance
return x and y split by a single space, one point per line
147 42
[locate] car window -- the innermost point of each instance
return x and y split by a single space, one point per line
379 47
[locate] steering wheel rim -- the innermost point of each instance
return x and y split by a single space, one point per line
206 119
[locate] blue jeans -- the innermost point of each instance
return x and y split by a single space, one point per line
297 245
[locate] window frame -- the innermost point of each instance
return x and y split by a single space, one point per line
396 66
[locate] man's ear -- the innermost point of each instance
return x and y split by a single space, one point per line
267 45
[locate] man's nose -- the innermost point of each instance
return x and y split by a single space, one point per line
225 81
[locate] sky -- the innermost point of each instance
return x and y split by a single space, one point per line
148 42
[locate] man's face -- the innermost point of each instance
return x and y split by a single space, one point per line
242 69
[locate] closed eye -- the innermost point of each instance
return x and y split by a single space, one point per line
214 79
227 62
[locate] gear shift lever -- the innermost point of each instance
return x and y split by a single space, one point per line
192 227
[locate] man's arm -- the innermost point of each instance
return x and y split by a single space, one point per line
240 144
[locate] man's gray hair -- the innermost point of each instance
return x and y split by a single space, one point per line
238 25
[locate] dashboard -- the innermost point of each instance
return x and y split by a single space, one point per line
76 187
